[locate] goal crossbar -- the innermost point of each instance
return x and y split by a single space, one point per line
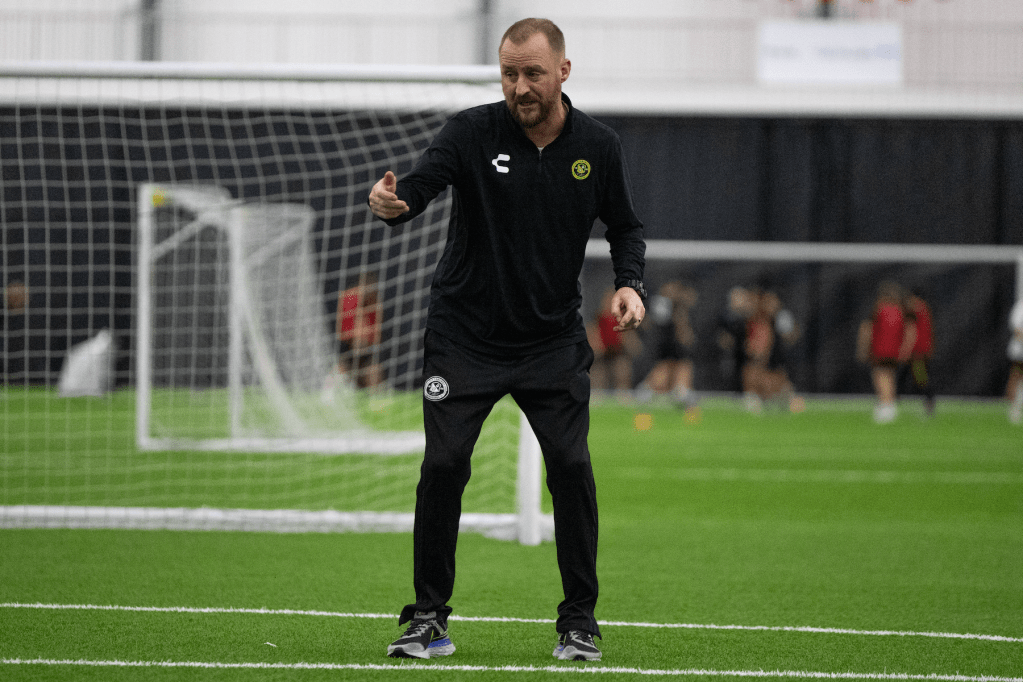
397 73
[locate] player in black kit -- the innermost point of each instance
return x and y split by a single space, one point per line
529 177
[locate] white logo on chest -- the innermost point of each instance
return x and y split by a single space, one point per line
497 164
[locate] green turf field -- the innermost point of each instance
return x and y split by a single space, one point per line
732 545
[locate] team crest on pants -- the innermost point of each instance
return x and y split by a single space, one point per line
436 388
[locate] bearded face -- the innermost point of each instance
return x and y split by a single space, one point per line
530 111
531 76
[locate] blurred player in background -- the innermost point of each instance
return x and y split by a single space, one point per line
770 331
357 329
777 383
15 296
613 350
1014 389
883 343
12 341
759 344
919 324
673 344
529 177
731 334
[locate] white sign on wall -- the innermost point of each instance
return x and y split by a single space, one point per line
829 52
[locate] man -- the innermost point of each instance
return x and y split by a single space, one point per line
529 177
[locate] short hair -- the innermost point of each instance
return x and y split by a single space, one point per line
889 290
524 29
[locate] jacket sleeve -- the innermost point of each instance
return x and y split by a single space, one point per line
436 169
624 229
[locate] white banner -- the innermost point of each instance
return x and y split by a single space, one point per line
829 52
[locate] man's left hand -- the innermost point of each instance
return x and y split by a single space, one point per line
628 309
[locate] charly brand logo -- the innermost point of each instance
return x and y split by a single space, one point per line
436 388
581 169
497 163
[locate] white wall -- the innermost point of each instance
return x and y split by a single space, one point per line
653 43
68 29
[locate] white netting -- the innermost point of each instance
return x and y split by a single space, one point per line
232 305
211 225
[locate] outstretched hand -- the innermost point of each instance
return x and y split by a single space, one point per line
628 309
383 200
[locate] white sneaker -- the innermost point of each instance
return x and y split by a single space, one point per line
885 414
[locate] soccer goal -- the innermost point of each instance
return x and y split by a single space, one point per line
229 302
213 221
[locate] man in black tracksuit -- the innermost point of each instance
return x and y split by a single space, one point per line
530 175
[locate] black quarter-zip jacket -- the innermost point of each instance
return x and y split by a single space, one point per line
508 282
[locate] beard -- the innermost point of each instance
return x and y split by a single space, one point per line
532 118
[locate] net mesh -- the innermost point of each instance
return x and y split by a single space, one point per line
291 164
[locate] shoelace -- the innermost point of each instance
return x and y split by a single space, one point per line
417 628
584 638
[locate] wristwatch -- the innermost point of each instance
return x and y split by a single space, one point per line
637 285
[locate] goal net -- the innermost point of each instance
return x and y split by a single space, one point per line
233 350
266 329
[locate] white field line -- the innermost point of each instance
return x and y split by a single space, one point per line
682 672
501 619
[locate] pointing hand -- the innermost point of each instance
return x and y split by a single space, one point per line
384 201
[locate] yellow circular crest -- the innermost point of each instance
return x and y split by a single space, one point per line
581 169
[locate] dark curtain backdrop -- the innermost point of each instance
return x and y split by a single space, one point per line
837 180
69 175
872 180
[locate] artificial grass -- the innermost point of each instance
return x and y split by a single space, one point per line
821 519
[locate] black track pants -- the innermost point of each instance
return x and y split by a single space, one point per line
553 390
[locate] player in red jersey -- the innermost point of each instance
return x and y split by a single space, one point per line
613 351
358 331
884 342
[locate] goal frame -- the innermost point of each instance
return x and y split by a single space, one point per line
230 213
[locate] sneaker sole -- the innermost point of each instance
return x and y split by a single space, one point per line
442 647
573 654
